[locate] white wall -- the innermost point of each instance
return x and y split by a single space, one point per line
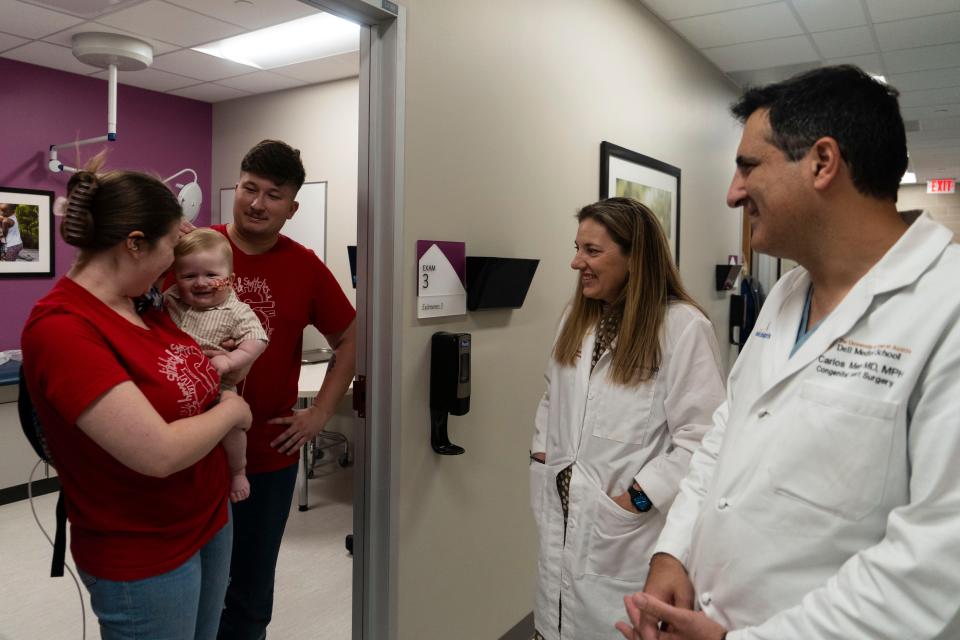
944 208
506 105
322 121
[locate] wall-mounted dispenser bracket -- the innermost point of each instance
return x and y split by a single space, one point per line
449 386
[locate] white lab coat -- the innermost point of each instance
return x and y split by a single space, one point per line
614 434
825 502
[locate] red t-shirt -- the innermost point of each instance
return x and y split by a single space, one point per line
123 525
288 287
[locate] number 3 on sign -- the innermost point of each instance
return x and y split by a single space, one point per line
426 281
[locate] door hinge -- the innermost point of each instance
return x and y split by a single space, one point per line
360 396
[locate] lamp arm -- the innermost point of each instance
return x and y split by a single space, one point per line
195 179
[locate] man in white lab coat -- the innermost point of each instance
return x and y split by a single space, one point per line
825 502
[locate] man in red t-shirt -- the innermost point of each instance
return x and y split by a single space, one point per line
288 287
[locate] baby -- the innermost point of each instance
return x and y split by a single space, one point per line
204 305
10 241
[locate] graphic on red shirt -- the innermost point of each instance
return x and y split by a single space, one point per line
195 376
256 293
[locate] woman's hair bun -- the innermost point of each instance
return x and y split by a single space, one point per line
77 227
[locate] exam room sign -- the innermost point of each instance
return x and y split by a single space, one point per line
441 276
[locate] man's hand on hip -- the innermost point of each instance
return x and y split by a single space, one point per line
304 424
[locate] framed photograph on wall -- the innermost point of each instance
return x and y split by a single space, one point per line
628 174
26 233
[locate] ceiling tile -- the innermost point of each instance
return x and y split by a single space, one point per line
870 63
251 15
345 65
760 55
152 79
933 111
201 66
673 9
49 55
827 15
170 23
32 22
888 10
947 95
922 58
759 77
919 32
845 42
741 25
8 41
88 9
942 124
261 82
210 92
933 79
64 37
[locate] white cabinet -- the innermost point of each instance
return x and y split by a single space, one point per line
16 455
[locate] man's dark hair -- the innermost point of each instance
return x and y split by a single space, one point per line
846 104
276 160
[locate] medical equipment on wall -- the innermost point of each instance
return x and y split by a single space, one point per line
116 52
449 386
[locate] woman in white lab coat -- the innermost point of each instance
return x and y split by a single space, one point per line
631 386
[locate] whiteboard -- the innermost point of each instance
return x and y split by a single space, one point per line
308 226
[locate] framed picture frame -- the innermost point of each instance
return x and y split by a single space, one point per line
26 233
626 173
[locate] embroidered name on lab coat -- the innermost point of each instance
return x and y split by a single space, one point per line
879 364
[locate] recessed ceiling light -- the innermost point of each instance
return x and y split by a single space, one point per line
909 178
317 36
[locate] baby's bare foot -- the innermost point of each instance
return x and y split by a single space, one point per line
239 487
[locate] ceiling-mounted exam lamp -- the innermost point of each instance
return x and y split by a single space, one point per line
106 51
190 195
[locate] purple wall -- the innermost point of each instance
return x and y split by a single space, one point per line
156 133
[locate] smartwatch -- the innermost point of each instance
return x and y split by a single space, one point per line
639 499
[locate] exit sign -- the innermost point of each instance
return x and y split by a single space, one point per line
942 185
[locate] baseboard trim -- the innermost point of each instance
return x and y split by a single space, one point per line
19 492
523 630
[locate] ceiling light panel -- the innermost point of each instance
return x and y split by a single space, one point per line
318 36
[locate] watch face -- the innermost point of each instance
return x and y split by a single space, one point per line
640 501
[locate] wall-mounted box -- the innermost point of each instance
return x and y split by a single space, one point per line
726 276
498 283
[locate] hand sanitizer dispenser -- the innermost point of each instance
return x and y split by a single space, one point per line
449 386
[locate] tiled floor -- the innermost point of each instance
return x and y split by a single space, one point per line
314 573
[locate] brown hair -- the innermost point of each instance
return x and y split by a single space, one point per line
653 282
276 160
201 240
103 209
